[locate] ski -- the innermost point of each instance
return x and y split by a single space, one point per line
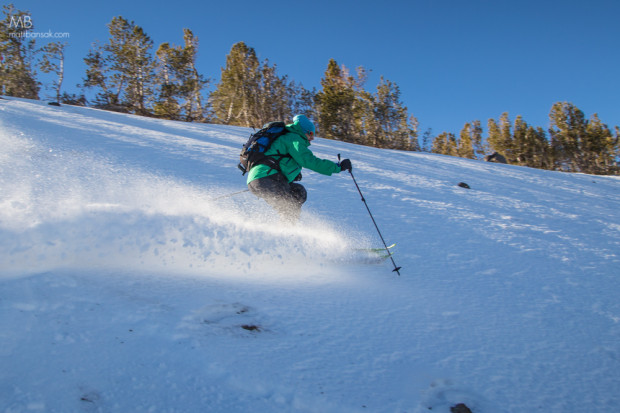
377 250
374 255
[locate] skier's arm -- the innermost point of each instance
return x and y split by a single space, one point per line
303 156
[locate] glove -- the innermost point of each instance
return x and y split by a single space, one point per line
345 165
297 178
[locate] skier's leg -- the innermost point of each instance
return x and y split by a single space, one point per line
285 198
296 198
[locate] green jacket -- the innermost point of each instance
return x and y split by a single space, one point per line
296 145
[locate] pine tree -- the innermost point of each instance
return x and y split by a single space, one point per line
131 46
581 145
507 144
529 145
17 77
272 100
301 100
568 136
477 141
395 130
452 145
347 112
251 93
602 148
427 139
336 103
167 103
494 136
53 61
232 100
445 144
193 82
520 144
440 144
180 84
123 68
465 147
500 137
97 76
367 127
414 144
538 151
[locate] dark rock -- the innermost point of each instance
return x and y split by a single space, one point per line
495 157
460 408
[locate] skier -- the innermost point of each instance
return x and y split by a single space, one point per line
279 187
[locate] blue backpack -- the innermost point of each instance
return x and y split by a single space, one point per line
253 151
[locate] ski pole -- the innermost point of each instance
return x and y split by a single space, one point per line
396 269
229 195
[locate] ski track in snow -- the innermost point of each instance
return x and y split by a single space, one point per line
125 286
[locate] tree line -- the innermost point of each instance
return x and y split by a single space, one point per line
127 74
571 144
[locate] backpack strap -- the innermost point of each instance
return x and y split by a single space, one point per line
273 161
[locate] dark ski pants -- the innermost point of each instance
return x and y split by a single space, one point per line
286 198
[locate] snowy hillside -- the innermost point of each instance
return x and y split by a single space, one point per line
131 282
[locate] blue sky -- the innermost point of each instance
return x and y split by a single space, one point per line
455 61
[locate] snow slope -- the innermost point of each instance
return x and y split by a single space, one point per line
126 281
